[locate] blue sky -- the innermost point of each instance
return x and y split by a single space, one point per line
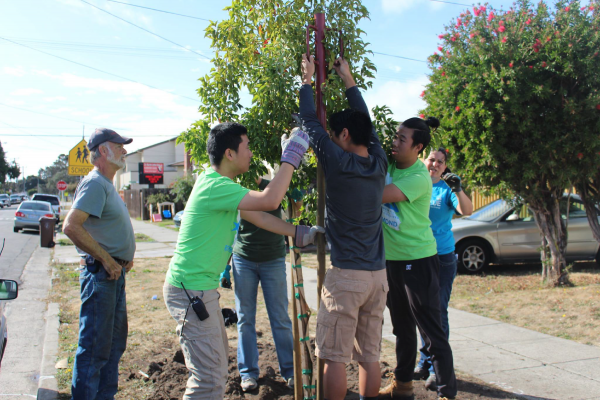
43 95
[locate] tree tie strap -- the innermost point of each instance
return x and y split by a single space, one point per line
306 371
310 398
298 284
309 387
304 339
297 295
294 247
291 220
300 316
297 266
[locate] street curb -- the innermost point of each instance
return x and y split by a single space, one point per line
47 384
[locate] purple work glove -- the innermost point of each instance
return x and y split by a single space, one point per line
293 149
305 235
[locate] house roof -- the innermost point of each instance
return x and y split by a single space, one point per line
152 145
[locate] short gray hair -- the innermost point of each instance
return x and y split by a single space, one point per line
95 154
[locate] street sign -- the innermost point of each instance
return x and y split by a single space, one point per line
151 173
79 164
61 185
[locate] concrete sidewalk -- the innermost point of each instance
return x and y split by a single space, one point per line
530 364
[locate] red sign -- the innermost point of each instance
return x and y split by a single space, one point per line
153 168
61 185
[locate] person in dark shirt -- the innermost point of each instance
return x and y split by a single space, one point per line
259 256
354 293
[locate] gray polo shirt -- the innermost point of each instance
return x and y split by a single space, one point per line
109 222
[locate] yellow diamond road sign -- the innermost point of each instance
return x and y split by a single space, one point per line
79 161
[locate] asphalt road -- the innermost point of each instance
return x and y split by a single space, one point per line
18 247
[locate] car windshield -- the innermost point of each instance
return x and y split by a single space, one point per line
29 205
14 196
491 211
3 196
52 200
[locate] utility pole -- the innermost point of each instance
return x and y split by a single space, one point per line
24 179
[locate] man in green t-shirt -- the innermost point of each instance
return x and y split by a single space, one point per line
205 244
412 264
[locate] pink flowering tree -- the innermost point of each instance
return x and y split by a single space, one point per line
517 94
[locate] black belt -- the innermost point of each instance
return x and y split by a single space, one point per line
122 263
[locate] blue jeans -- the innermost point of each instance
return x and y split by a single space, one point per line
271 274
102 336
447 275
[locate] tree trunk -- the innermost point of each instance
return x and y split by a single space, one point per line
554 241
588 191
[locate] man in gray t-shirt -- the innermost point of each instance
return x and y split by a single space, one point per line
99 225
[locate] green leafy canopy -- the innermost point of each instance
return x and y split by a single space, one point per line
258 50
517 95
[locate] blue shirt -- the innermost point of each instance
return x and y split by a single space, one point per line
441 209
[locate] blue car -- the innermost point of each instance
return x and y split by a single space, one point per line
177 218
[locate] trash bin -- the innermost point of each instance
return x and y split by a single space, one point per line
47 231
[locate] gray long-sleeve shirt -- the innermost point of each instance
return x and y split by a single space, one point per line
354 190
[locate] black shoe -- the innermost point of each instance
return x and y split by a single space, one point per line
431 384
421 374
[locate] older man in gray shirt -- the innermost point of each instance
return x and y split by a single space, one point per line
99 225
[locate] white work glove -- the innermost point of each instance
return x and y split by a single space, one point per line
293 149
305 235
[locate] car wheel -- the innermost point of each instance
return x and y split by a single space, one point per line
16 230
473 256
598 257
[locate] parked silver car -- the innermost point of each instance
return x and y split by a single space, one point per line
52 199
29 213
178 218
4 201
499 233
15 198
8 290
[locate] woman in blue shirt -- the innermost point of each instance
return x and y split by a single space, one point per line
447 198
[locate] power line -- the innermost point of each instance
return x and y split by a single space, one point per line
56 116
404 58
441 1
162 11
95 48
96 69
75 136
146 30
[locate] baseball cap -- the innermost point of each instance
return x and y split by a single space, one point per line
102 135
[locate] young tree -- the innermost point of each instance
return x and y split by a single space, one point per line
517 92
258 52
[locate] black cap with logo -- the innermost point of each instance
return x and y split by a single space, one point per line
102 135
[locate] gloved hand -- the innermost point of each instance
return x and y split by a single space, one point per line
453 181
305 235
293 149
225 278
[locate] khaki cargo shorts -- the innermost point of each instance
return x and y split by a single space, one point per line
350 317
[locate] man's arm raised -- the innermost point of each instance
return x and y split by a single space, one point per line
292 150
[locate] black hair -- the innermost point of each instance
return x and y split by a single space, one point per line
422 130
227 135
357 122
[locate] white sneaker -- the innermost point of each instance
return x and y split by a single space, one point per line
290 383
249 384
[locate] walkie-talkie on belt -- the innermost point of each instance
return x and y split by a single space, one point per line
197 305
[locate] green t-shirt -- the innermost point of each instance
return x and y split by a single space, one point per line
207 231
406 226
258 245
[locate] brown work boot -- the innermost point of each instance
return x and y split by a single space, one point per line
397 390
